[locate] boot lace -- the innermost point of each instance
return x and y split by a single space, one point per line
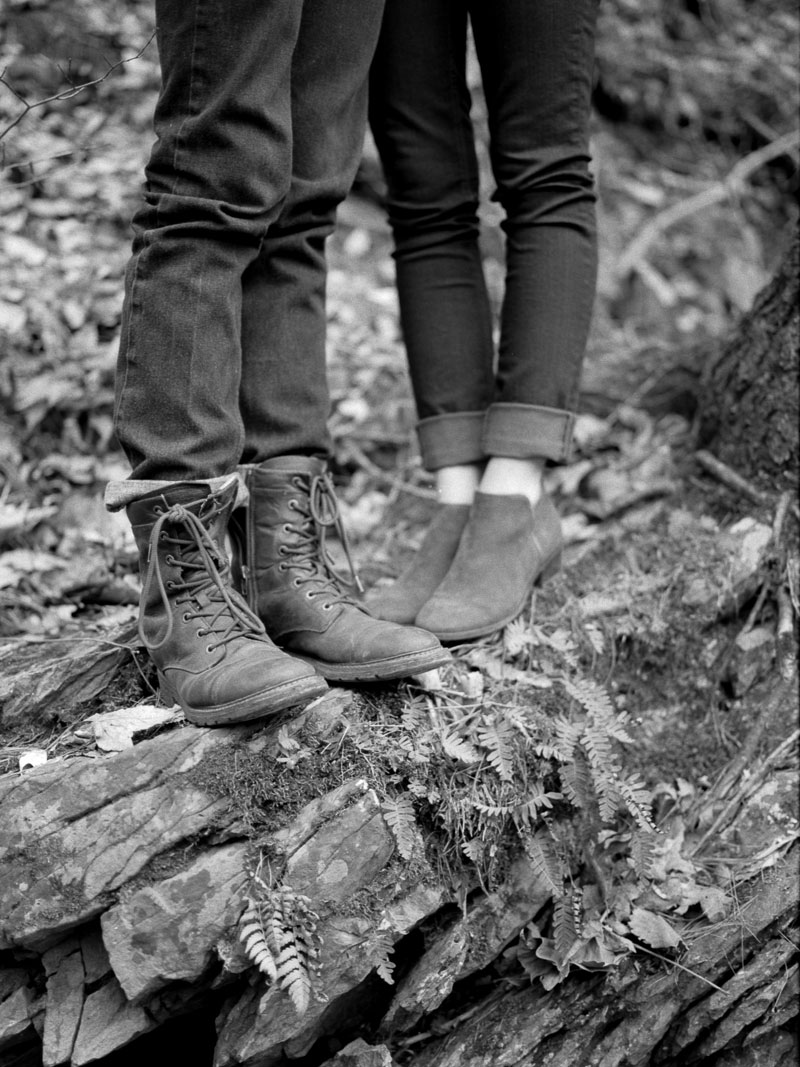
203 571
309 551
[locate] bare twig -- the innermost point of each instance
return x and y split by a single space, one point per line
725 474
366 464
636 251
64 94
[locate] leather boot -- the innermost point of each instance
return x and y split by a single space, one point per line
294 588
213 655
402 601
506 548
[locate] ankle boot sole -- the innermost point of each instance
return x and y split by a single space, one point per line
379 670
550 569
258 706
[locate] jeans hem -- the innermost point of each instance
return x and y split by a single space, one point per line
527 431
451 440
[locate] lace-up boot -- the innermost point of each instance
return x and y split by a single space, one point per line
212 653
294 588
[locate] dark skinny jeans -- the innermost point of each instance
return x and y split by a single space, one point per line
536 59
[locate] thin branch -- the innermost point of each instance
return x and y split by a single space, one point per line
636 251
65 94
725 474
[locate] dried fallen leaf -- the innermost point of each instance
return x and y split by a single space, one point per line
653 929
35 757
115 730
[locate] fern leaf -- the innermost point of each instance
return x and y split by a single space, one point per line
544 860
379 950
253 937
295 979
565 927
577 783
608 798
596 638
643 852
517 637
497 737
279 932
638 800
597 745
536 801
567 737
473 849
591 696
459 749
561 642
399 815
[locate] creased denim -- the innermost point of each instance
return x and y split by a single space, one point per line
536 59
259 123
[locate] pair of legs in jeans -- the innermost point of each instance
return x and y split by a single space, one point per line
260 124
488 422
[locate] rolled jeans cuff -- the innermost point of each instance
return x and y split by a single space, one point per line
451 440
526 431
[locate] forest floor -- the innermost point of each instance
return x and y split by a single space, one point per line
669 593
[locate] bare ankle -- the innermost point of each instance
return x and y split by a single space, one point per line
458 484
507 476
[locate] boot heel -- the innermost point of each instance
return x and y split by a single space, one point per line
550 570
166 690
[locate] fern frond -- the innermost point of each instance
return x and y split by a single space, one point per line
561 642
379 951
567 737
638 800
643 852
608 798
496 736
591 696
399 815
577 783
544 859
566 922
459 749
535 801
278 929
517 637
414 716
597 746
494 811
253 936
293 976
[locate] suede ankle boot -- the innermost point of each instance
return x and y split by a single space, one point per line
212 653
507 547
292 586
402 601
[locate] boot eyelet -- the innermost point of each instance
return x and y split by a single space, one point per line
327 607
211 648
282 567
169 583
296 583
286 528
202 633
170 561
187 617
158 510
